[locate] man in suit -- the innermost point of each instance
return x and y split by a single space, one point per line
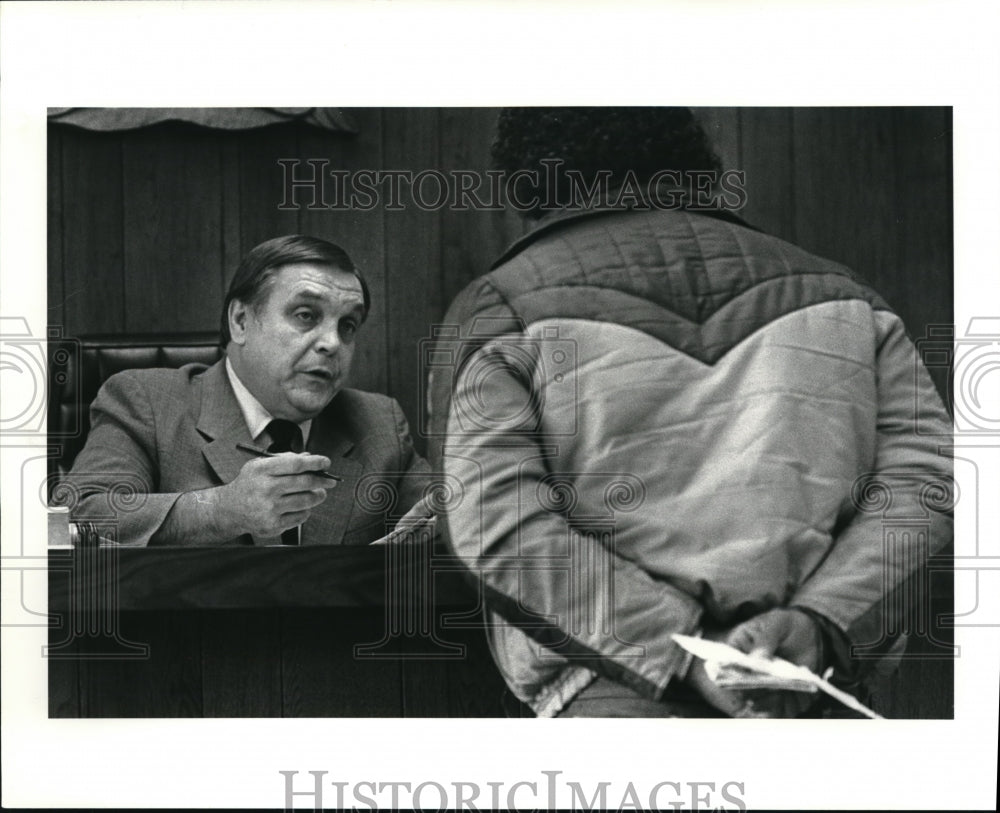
170 456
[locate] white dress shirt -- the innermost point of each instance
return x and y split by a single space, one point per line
257 418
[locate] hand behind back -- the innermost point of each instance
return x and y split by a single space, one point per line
784 633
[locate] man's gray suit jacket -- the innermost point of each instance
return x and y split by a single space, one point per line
156 433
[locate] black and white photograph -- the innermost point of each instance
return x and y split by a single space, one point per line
164 219
345 444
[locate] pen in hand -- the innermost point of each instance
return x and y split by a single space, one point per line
246 447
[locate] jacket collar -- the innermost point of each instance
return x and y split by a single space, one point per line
556 219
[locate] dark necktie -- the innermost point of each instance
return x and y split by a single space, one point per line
285 437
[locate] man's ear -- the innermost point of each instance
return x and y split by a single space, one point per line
238 315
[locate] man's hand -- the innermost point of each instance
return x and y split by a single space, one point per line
272 494
728 701
788 634
268 496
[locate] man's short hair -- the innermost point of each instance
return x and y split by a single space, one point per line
588 140
251 282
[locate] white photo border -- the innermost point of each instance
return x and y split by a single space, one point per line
205 54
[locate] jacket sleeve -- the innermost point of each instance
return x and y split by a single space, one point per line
114 479
565 587
898 514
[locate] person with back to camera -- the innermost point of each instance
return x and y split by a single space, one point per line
727 394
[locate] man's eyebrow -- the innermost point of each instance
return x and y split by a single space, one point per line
307 294
316 296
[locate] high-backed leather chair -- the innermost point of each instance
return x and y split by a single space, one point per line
74 384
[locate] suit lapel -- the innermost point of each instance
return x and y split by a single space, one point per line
221 422
329 520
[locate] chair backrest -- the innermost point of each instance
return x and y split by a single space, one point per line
74 384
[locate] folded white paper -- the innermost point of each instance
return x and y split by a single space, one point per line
732 669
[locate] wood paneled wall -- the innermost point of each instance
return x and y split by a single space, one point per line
145 227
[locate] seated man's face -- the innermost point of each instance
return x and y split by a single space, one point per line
294 351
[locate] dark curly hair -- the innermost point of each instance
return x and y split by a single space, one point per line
591 140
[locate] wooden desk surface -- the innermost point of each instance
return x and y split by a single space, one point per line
237 577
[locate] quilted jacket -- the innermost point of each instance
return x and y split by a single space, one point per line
658 420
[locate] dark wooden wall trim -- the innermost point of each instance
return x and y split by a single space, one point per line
289 662
266 632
